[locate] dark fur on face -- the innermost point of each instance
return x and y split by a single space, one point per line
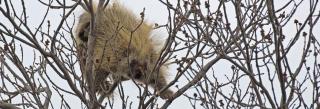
138 69
83 35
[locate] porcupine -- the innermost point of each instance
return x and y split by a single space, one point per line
120 53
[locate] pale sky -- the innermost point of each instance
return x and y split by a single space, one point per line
155 13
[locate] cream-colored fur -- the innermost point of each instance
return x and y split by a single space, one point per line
119 53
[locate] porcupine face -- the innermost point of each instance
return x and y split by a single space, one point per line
141 68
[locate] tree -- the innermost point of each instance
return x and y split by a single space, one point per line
226 54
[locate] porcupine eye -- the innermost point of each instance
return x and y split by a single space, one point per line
83 34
